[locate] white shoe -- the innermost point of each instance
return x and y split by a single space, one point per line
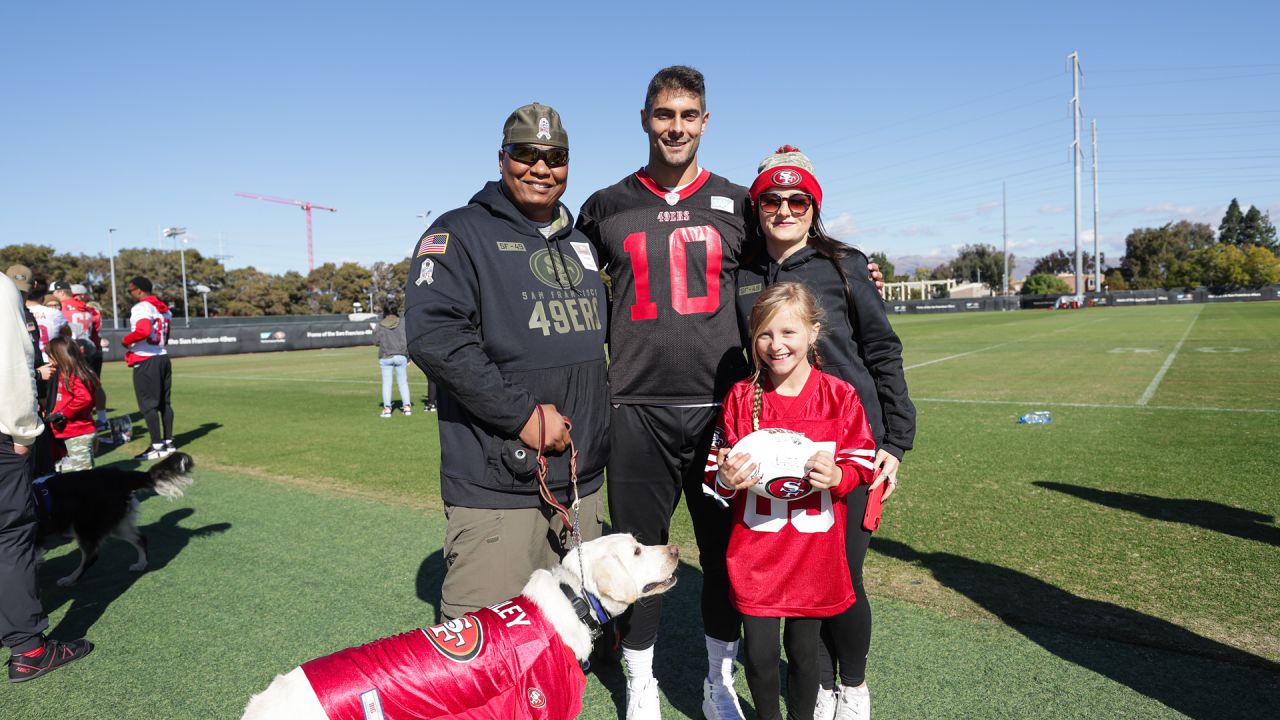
642 701
720 701
828 700
855 704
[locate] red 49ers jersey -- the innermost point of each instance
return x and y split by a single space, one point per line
671 259
787 559
503 662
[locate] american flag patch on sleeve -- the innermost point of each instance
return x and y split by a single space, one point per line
433 244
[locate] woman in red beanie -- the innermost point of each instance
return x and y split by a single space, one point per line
857 345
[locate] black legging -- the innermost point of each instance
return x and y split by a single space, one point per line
800 636
856 628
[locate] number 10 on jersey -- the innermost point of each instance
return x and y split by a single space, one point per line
678 241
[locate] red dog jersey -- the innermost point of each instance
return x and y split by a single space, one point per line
501 662
787 559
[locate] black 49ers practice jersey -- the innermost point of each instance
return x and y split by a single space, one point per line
671 259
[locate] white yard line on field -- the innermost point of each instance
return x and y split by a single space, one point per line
1155 382
1098 406
276 378
993 347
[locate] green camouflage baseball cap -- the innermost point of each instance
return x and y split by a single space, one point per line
537 124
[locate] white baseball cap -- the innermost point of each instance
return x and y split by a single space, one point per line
78 289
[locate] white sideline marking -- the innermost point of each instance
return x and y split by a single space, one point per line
993 347
1155 382
1099 406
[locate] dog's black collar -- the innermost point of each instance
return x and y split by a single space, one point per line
588 610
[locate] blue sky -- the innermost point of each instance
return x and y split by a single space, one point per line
140 115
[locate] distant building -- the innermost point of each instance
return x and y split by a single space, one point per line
1070 280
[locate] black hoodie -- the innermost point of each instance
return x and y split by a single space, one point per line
859 347
503 319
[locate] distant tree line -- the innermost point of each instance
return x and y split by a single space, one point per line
1245 251
247 291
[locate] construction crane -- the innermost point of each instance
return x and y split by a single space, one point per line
306 207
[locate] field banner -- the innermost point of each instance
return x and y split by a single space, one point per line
952 305
228 339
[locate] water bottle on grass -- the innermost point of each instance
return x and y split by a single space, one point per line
1039 417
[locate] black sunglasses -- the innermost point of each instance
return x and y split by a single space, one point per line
771 203
531 154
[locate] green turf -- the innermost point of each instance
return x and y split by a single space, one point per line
1119 562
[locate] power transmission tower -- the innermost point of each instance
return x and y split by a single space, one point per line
1076 154
1097 259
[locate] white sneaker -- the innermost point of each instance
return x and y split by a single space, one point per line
386 411
720 701
855 704
828 700
642 701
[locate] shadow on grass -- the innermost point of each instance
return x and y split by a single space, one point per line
1206 514
1145 653
181 439
680 660
110 577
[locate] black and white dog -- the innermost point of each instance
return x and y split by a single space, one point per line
99 503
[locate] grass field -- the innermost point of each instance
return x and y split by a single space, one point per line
1120 562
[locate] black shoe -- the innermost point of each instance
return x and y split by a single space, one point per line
56 654
429 407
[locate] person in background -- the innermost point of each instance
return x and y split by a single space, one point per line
49 320
72 414
393 354
504 310
147 353
858 346
22 619
86 324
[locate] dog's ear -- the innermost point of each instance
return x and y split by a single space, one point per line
613 581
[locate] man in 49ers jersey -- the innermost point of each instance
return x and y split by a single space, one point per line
670 236
148 355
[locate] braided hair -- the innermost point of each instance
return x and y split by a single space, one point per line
778 297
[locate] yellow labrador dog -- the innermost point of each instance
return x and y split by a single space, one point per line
520 658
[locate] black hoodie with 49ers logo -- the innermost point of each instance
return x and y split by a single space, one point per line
505 315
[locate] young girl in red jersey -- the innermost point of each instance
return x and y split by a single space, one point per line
786 559
72 415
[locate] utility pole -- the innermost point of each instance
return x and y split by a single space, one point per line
1097 259
115 318
1076 154
175 233
1004 210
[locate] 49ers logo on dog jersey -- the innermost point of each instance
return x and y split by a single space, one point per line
460 639
786 178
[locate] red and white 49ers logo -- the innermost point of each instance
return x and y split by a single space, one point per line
460 639
788 488
786 178
537 698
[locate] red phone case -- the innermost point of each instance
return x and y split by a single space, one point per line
875 503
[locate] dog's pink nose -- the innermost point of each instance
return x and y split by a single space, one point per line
673 551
